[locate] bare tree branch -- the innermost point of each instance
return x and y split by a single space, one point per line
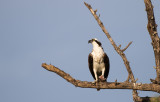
127 46
102 85
152 29
136 98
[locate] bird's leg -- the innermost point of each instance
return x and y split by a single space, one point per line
95 73
102 76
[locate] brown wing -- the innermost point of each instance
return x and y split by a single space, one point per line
107 65
90 64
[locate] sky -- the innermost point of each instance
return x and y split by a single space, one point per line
57 32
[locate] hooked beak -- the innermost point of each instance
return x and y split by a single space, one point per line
90 41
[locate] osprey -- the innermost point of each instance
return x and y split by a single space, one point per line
98 62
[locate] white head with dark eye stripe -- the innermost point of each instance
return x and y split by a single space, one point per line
94 41
97 46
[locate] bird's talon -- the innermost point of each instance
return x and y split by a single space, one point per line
102 78
94 82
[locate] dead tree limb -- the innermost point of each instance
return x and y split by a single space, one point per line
152 29
102 85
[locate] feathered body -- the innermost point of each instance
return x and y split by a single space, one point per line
98 62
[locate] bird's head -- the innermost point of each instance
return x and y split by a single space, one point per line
95 41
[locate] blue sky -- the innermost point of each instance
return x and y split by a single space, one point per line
57 32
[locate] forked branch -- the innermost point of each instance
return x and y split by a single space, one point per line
127 46
118 50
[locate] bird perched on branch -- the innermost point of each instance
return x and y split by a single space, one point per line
98 61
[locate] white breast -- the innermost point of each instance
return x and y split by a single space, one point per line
98 53
98 66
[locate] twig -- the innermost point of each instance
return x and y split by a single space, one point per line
127 46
